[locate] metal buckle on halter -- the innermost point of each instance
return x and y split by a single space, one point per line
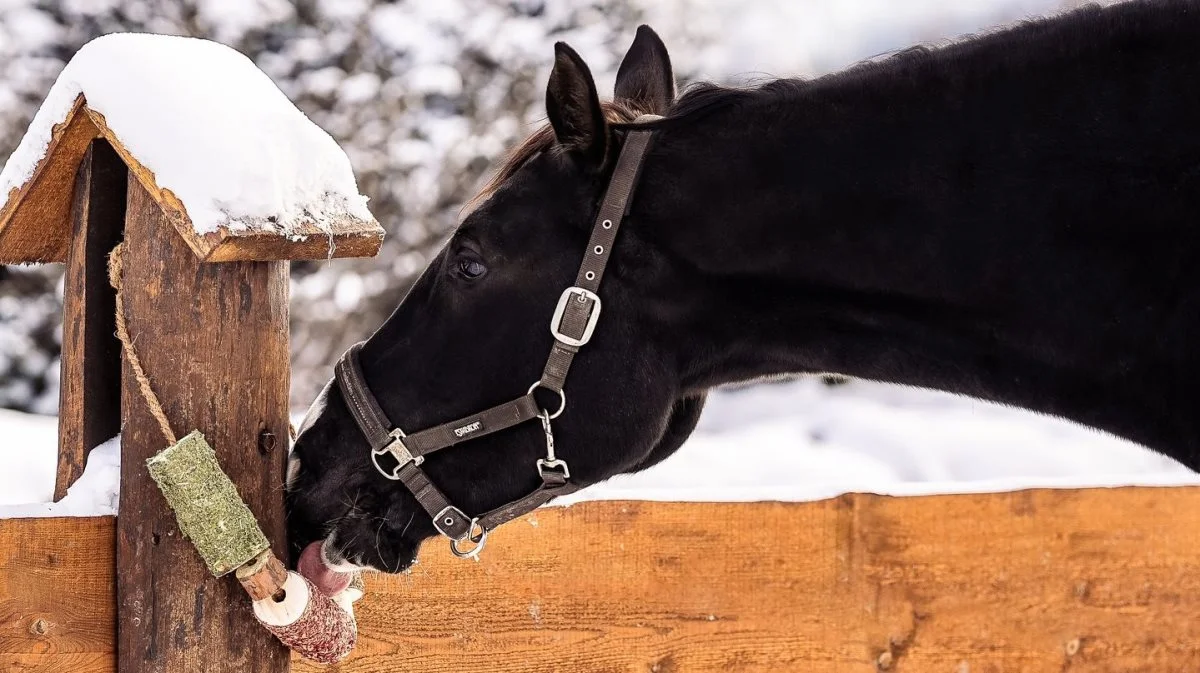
476 534
558 465
477 539
550 462
581 295
399 451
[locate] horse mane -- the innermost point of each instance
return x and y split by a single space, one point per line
1031 41
1057 37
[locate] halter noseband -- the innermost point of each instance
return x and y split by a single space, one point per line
573 323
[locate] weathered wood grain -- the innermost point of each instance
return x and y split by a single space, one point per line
345 238
57 595
89 407
35 220
1100 581
1091 581
213 341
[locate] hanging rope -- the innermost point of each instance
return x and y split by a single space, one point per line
115 274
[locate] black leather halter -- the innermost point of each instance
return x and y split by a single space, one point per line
573 323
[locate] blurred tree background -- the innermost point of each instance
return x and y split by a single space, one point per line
423 95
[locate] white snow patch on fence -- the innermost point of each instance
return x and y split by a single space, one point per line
211 126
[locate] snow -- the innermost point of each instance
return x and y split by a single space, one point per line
795 441
479 63
94 494
803 440
212 127
790 36
27 457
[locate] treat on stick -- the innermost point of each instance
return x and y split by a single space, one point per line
213 516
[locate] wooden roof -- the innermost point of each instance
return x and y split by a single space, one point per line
35 220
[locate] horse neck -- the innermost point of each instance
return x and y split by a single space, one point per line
902 246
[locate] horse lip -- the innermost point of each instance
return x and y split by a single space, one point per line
336 561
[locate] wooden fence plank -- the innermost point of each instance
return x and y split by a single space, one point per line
57 595
1043 581
89 409
1098 581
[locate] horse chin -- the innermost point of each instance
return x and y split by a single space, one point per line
359 549
335 559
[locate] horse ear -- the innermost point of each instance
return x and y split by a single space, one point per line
573 107
645 77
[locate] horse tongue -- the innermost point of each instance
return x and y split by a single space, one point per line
312 566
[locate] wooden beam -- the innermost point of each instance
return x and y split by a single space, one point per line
1042 581
213 341
345 238
57 595
35 220
89 407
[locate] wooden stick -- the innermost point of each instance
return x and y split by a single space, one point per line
263 577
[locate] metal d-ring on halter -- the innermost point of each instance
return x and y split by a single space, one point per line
573 324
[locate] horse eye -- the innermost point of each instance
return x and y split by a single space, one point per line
471 268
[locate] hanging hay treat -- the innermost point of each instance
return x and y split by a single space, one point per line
213 516
210 512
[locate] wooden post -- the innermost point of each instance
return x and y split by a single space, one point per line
89 409
213 340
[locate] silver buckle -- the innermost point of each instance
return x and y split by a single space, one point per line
399 451
560 465
581 295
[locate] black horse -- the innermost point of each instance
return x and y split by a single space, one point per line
1015 217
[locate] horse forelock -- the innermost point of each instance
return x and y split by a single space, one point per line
543 140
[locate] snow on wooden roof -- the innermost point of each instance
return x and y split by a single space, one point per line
241 172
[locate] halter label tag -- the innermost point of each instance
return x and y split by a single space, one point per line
468 429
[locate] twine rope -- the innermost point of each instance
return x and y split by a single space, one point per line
115 274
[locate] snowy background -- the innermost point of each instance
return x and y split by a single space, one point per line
424 95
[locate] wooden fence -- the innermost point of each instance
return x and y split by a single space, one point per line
1040 581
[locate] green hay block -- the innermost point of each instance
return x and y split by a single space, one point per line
210 512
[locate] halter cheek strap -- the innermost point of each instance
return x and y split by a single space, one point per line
398 456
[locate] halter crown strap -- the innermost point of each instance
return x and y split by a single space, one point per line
575 319
579 306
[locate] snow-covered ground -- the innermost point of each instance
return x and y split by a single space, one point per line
27 457
803 440
795 441
27 465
